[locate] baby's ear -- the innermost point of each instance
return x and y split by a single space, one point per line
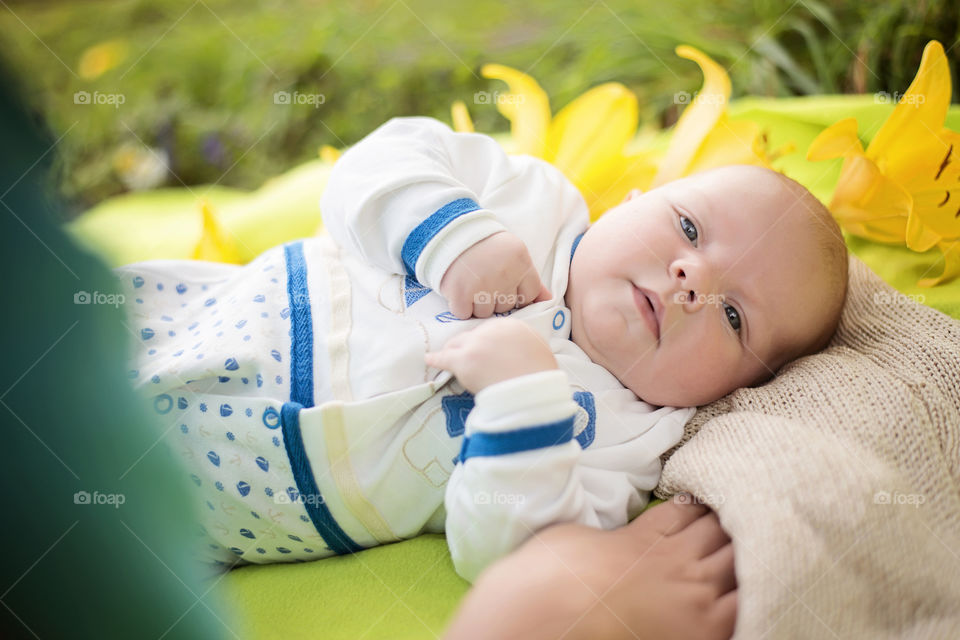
632 194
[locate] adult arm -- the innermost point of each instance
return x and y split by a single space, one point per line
669 574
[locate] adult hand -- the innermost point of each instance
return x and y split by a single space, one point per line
667 575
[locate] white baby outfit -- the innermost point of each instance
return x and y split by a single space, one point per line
295 388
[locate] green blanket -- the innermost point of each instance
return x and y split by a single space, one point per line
409 589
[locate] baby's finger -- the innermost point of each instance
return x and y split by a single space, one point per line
483 304
505 302
529 287
544 294
436 359
461 307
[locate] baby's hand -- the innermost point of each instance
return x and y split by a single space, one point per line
498 350
493 276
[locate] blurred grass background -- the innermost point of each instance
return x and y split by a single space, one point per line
198 77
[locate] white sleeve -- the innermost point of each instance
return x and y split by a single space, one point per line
518 471
409 198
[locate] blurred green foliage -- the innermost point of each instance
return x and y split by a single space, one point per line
200 76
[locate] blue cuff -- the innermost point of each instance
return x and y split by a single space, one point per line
495 444
424 232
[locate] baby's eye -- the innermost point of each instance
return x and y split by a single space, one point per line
733 316
687 229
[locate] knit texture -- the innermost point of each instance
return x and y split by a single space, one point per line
838 480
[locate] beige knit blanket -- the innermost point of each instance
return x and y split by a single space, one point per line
839 481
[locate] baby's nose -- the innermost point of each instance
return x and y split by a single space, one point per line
692 280
687 298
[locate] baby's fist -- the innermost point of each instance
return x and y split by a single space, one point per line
492 276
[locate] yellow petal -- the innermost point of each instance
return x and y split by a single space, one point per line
951 266
698 119
939 211
461 117
329 154
863 194
919 236
730 142
886 230
592 131
100 58
608 189
527 107
937 196
215 244
836 141
907 146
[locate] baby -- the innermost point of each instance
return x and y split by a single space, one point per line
352 389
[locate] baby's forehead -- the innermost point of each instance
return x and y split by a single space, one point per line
750 206
746 185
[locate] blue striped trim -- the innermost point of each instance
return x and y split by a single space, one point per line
335 537
495 444
419 237
576 241
301 326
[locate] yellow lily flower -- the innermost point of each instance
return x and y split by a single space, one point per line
461 117
704 136
329 154
100 58
904 187
215 244
587 138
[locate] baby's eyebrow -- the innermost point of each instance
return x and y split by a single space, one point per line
703 202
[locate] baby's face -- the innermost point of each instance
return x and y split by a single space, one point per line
729 262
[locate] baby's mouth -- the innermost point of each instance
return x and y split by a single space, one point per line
647 309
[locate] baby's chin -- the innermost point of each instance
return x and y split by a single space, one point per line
672 397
